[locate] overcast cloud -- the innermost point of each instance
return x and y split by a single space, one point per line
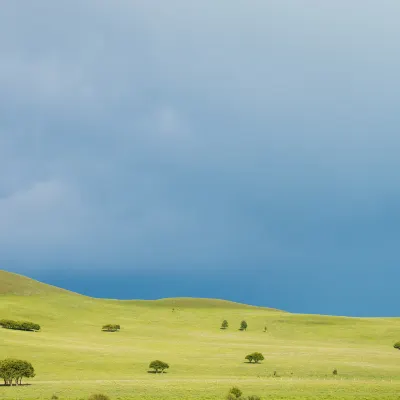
177 135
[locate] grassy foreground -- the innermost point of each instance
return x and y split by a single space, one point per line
74 358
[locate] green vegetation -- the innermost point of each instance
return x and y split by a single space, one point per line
397 345
234 393
19 325
224 324
98 396
111 328
243 326
73 358
256 357
158 366
12 370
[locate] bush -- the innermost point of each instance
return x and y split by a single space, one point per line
256 357
98 396
12 370
19 325
224 324
243 325
253 397
397 345
111 328
54 397
334 372
158 365
234 393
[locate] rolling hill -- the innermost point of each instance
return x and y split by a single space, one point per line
74 358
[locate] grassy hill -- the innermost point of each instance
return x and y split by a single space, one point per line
74 358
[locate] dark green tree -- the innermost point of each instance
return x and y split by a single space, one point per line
110 328
397 345
13 370
158 365
224 324
256 357
243 325
234 393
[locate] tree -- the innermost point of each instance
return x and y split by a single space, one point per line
99 396
14 370
110 328
158 365
19 325
397 346
243 325
256 357
224 324
234 393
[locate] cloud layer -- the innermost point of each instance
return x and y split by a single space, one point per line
213 135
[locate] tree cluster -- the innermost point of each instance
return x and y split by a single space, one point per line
225 325
12 370
19 325
158 365
111 328
256 357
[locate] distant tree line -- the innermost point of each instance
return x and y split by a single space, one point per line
111 328
12 371
19 325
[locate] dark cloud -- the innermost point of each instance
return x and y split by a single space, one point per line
210 135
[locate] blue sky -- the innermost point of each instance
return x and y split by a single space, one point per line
245 150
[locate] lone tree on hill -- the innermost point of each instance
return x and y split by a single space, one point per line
110 328
158 365
224 324
243 325
397 346
256 357
14 370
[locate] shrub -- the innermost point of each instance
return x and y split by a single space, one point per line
397 345
224 324
158 365
243 325
14 370
253 397
110 328
256 357
98 396
54 397
234 393
19 325
334 372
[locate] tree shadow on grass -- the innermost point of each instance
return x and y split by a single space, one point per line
159 372
13 385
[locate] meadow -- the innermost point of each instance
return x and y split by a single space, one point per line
73 358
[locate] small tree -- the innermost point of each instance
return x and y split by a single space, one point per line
224 324
256 357
397 345
234 393
98 396
334 372
158 365
243 325
111 328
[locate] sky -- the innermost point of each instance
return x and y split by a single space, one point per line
244 150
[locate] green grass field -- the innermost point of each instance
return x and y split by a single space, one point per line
74 358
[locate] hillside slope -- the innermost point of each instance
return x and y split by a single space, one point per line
74 358
11 283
